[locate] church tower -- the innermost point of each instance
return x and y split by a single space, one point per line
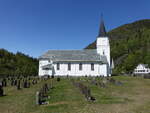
102 43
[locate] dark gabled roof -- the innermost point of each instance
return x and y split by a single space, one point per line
74 55
102 30
144 65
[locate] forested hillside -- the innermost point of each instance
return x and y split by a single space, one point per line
130 45
17 64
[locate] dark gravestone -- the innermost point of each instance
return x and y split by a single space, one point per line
45 90
28 85
87 92
118 83
25 84
102 85
1 89
33 82
18 85
41 93
52 76
92 98
46 87
94 82
36 81
15 82
112 80
12 82
4 82
58 79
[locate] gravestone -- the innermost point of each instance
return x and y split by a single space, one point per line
102 85
1 89
52 76
112 80
94 82
25 84
104 81
91 98
58 79
87 92
12 82
28 84
18 85
118 83
38 98
15 82
4 82
34 81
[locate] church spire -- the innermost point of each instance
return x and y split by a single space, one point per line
102 30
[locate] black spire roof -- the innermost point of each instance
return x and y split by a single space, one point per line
102 30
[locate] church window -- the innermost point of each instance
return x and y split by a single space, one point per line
80 66
103 52
69 66
92 66
58 66
45 68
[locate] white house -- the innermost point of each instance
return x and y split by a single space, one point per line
87 62
142 69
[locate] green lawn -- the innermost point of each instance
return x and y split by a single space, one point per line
132 97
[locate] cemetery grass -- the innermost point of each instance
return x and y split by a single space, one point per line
132 96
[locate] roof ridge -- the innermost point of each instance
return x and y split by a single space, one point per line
70 49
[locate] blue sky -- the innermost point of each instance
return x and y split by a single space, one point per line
35 26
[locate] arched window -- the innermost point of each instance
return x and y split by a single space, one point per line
92 66
69 66
58 66
80 66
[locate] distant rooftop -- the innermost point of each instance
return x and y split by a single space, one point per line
144 65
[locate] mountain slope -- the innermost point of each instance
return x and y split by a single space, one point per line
17 64
130 45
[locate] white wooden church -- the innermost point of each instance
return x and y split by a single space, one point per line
87 62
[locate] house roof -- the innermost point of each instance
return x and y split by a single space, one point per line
144 65
74 55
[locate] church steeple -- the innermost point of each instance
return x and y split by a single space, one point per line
102 30
102 42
